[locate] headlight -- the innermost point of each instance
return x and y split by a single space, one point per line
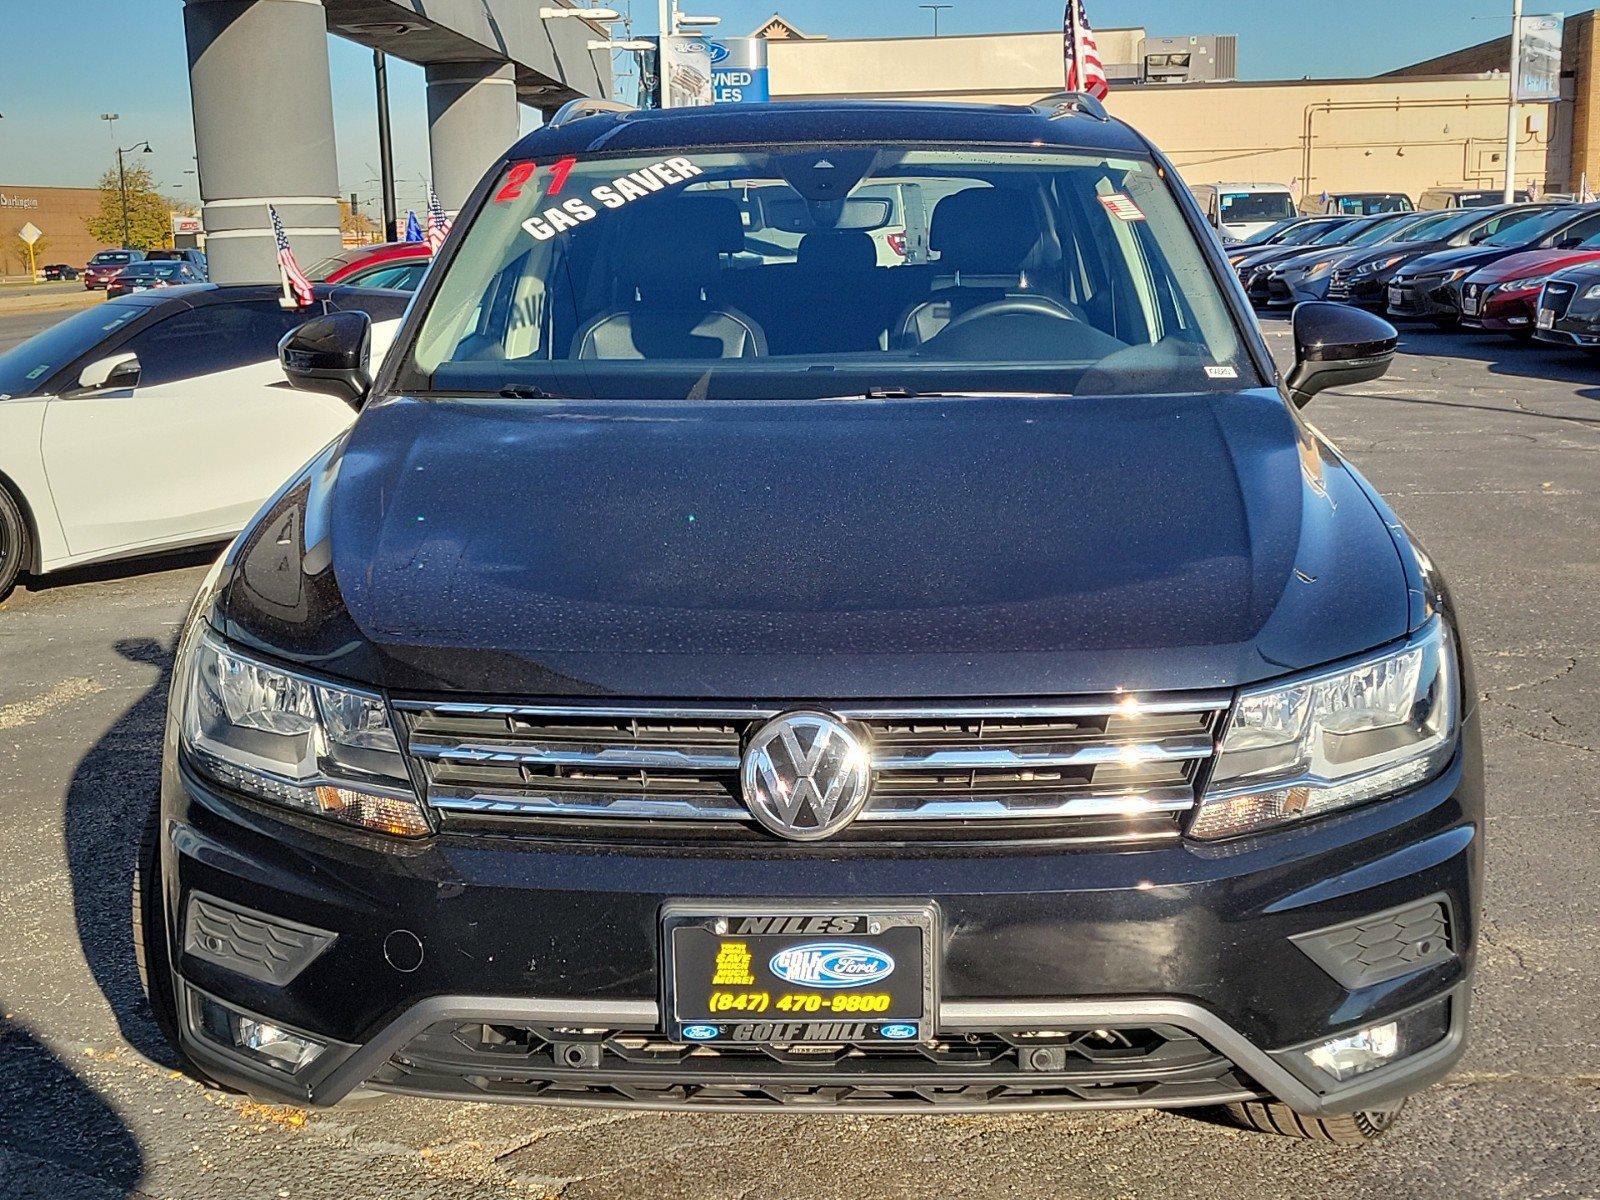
1593 293
294 741
1330 741
1458 273
1380 264
1526 283
1321 266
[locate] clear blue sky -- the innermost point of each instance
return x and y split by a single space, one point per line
59 75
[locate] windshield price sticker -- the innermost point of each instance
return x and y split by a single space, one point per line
1122 207
616 193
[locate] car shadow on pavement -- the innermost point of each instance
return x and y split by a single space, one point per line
125 568
108 798
55 1130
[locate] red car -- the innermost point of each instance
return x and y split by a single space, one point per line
398 265
103 267
1502 296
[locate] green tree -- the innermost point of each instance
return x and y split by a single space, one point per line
149 215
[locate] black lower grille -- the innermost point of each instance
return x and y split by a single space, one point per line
1557 298
1151 1065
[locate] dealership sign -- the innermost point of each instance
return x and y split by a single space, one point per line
739 71
1539 68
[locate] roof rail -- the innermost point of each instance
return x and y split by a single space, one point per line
1061 103
586 106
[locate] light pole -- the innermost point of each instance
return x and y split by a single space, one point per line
936 9
391 214
1512 111
122 185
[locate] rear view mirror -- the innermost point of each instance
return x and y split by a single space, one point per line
115 372
1336 345
330 354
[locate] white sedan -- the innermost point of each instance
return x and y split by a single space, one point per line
157 421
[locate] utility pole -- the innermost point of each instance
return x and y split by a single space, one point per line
391 214
1512 110
936 9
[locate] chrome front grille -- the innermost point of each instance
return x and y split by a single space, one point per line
1112 768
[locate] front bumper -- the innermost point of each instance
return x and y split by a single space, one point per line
1411 300
1180 954
1510 314
1365 291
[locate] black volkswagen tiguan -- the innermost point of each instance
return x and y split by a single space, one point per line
733 664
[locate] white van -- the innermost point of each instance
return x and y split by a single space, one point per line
1241 209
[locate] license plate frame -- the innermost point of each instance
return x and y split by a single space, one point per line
1546 318
1469 305
1396 296
693 933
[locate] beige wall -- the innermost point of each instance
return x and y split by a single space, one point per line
1379 135
1003 67
58 212
1451 129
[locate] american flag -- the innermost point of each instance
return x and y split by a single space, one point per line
1084 70
438 223
296 287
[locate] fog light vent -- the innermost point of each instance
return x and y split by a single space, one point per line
1383 946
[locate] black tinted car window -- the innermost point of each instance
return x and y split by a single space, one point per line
218 337
25 368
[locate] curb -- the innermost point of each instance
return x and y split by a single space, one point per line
10 305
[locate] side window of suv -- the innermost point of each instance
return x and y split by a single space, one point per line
217 337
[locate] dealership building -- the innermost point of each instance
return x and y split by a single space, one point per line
1435 123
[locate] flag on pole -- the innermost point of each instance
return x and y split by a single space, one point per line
438 223
1585 192
1084 70
296 287
413 228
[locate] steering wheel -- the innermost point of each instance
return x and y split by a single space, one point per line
1011 306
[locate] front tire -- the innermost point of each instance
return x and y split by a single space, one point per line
1349 1129
14 545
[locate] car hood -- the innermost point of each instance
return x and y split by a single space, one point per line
1474 257
1533 262
989 546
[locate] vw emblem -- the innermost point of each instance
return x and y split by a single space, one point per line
805 775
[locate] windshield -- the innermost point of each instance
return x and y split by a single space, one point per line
1380 231
1424 228
110 258
1369 203
1274 234
752 274
1533 229
28 366
1239 207
1309 234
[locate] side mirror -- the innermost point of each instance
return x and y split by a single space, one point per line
330 354
1336 345
115 372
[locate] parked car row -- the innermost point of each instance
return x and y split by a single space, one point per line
1525 269
1244 212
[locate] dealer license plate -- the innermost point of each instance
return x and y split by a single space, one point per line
1547 318
783 974
1469 305
1395 296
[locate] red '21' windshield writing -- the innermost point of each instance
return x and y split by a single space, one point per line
623 190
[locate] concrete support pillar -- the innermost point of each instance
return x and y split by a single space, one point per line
263 132
472 120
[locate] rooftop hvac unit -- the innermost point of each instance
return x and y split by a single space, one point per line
1209 58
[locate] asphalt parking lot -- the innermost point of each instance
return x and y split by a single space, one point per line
1490 450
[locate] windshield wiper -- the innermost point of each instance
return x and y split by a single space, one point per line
526 391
